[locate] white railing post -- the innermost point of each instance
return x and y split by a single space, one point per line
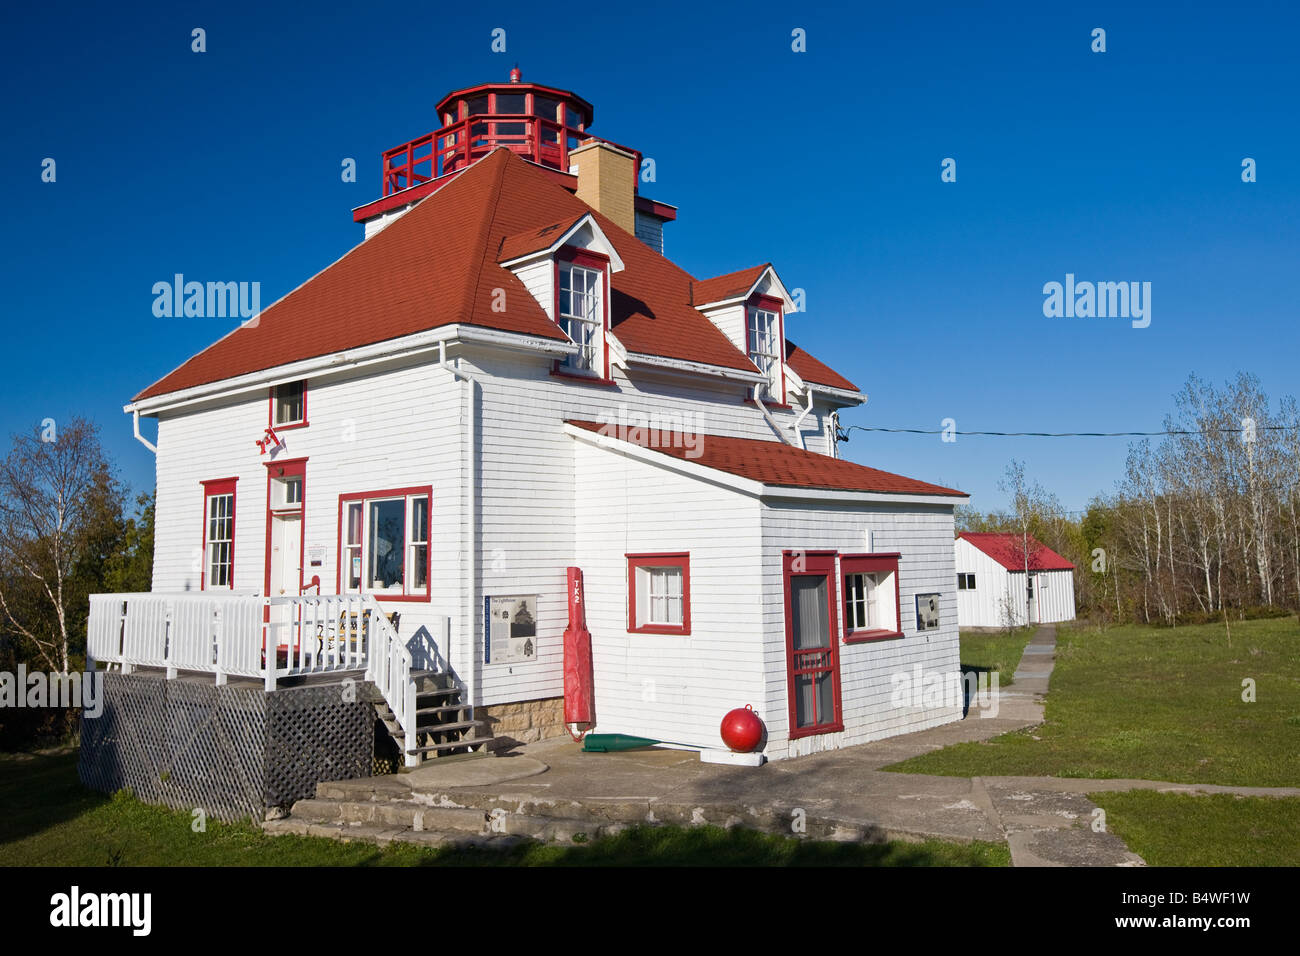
217 639
269 649
169 639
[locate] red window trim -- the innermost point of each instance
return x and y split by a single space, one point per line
270 408
588 260
865 564
211 488
287 468
671 559
815 562
426 490
768 303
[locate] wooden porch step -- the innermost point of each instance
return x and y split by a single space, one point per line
443 728
453 745
446 709
439 692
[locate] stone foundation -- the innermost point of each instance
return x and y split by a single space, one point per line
524 721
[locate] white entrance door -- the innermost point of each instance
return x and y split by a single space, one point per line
1033 599
286 564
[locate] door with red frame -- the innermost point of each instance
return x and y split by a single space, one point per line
812 643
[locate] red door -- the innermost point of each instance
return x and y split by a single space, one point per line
812 643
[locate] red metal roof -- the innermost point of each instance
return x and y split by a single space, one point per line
1006 550
438 265
771 462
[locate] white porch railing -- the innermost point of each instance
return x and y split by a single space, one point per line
260 637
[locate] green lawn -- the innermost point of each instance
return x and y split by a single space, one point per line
1175 829
1156 704
47 818
999 652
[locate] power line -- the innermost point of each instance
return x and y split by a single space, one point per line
945 431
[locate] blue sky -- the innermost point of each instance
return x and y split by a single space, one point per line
1115 166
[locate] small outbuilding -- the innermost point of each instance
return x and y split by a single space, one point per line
1008 580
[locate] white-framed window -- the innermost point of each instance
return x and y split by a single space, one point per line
965 582
659 600
581 314
765 348
385 544
220 539
870 597
286 493
860 597
289 404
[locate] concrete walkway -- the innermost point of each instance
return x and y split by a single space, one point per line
843 794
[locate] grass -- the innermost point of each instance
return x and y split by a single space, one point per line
999 652
1156 704
1175 829
50 819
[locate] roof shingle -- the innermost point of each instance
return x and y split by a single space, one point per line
439 265
771 462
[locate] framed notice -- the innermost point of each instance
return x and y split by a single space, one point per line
316 556
927 612
510 632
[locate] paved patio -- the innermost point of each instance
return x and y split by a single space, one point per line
843 794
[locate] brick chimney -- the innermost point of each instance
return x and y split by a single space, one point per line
606 181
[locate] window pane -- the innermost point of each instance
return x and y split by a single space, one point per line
354 523
477 105
387 551
420 519
510 103
811 624
288 403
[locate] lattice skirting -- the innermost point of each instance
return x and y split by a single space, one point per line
232 751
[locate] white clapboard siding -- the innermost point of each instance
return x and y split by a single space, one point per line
923 536
530 493
650 230
547 501
669 687
393 429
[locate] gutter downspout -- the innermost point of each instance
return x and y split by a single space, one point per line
471 558
135 422
803 413
780 432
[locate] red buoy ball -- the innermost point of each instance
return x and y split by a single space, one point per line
741 729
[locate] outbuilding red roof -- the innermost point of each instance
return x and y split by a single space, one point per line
439 265
1008 551
770 462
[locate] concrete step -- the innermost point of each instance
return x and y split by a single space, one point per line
395 813
383 836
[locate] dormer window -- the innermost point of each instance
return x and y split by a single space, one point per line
581 311
763 323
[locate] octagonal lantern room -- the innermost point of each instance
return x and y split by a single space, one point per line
539 123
